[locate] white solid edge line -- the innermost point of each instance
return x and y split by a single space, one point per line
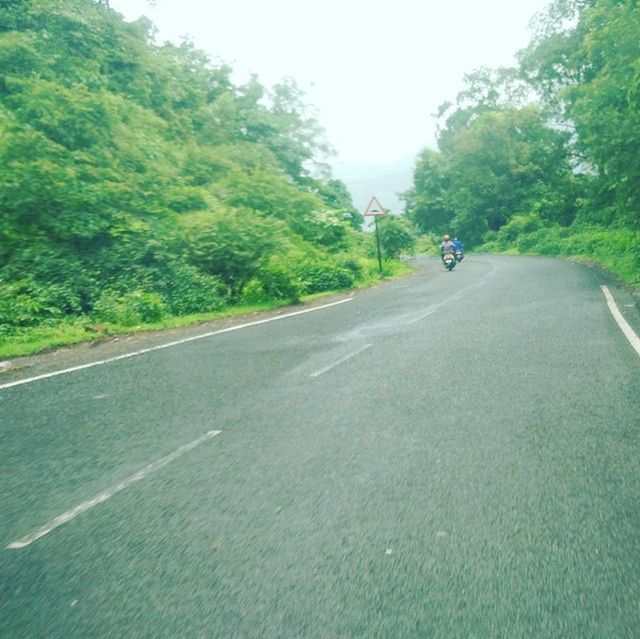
107 494
169 345
342 360
629 333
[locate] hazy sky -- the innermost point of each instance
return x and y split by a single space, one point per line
374 71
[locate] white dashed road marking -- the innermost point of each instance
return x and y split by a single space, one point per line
342 360
107 494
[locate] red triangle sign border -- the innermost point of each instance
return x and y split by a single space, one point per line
375 208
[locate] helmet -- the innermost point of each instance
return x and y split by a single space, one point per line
446 238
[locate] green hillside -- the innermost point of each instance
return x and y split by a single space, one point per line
137 182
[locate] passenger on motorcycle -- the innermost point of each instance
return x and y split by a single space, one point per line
446 246
458 249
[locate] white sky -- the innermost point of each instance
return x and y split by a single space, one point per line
374 71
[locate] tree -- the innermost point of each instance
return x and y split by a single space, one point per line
427 204
503 162
131 171
231 247
396 236
587 68
336 195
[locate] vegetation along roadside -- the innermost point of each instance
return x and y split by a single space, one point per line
141 188
542 158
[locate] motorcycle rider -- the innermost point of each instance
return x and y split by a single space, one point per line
458 246
446 246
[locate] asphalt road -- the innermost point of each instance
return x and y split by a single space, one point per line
449 455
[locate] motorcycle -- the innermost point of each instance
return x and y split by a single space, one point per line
459 255
449 260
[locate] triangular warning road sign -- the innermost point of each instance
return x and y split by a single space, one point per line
375 208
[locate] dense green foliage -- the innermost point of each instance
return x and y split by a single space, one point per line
138 182
397 236
545 158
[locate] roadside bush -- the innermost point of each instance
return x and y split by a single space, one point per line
129 309
618 250
231 248
518 226
274 282
593 241
253 292
544 241
317 277
187 290
428 243
324 228
397 236
28 302
279 283
352 266
57 278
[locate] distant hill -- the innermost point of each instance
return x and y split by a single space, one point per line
384 181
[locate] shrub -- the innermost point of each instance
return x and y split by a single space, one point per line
544 241
615 249
274 282
231 248
396 236
513 232
352 266
134 307
187 290
28 302
253 292
317 277
324 228
279 283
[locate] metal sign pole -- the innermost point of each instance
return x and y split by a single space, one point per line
375 210
375 219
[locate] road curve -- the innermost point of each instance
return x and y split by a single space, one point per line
449 455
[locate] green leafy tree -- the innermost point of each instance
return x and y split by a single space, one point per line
337 197
502 163
544 157
231 247
585 62
397 236
427 204
138 180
